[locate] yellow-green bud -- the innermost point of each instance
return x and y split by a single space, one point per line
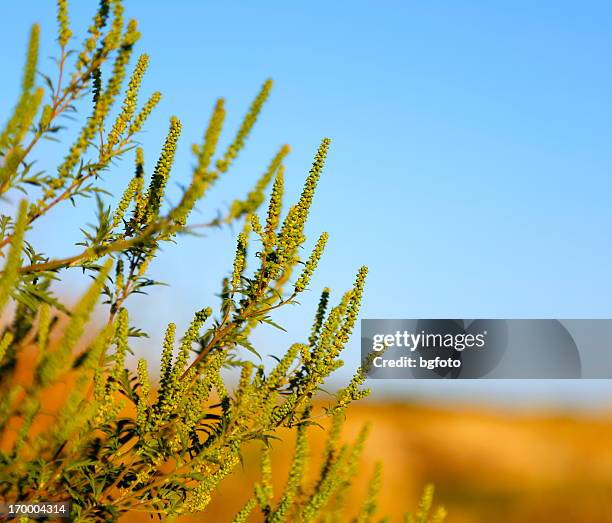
311 264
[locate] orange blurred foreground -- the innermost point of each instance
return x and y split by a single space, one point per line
487 466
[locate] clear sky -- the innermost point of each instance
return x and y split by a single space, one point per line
471 160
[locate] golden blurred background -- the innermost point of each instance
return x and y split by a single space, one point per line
487 465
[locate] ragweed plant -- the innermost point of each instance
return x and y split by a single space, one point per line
118 442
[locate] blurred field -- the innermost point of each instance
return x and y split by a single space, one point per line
502 466
487 466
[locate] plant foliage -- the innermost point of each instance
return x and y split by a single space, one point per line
118 442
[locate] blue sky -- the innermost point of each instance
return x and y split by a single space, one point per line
470 164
